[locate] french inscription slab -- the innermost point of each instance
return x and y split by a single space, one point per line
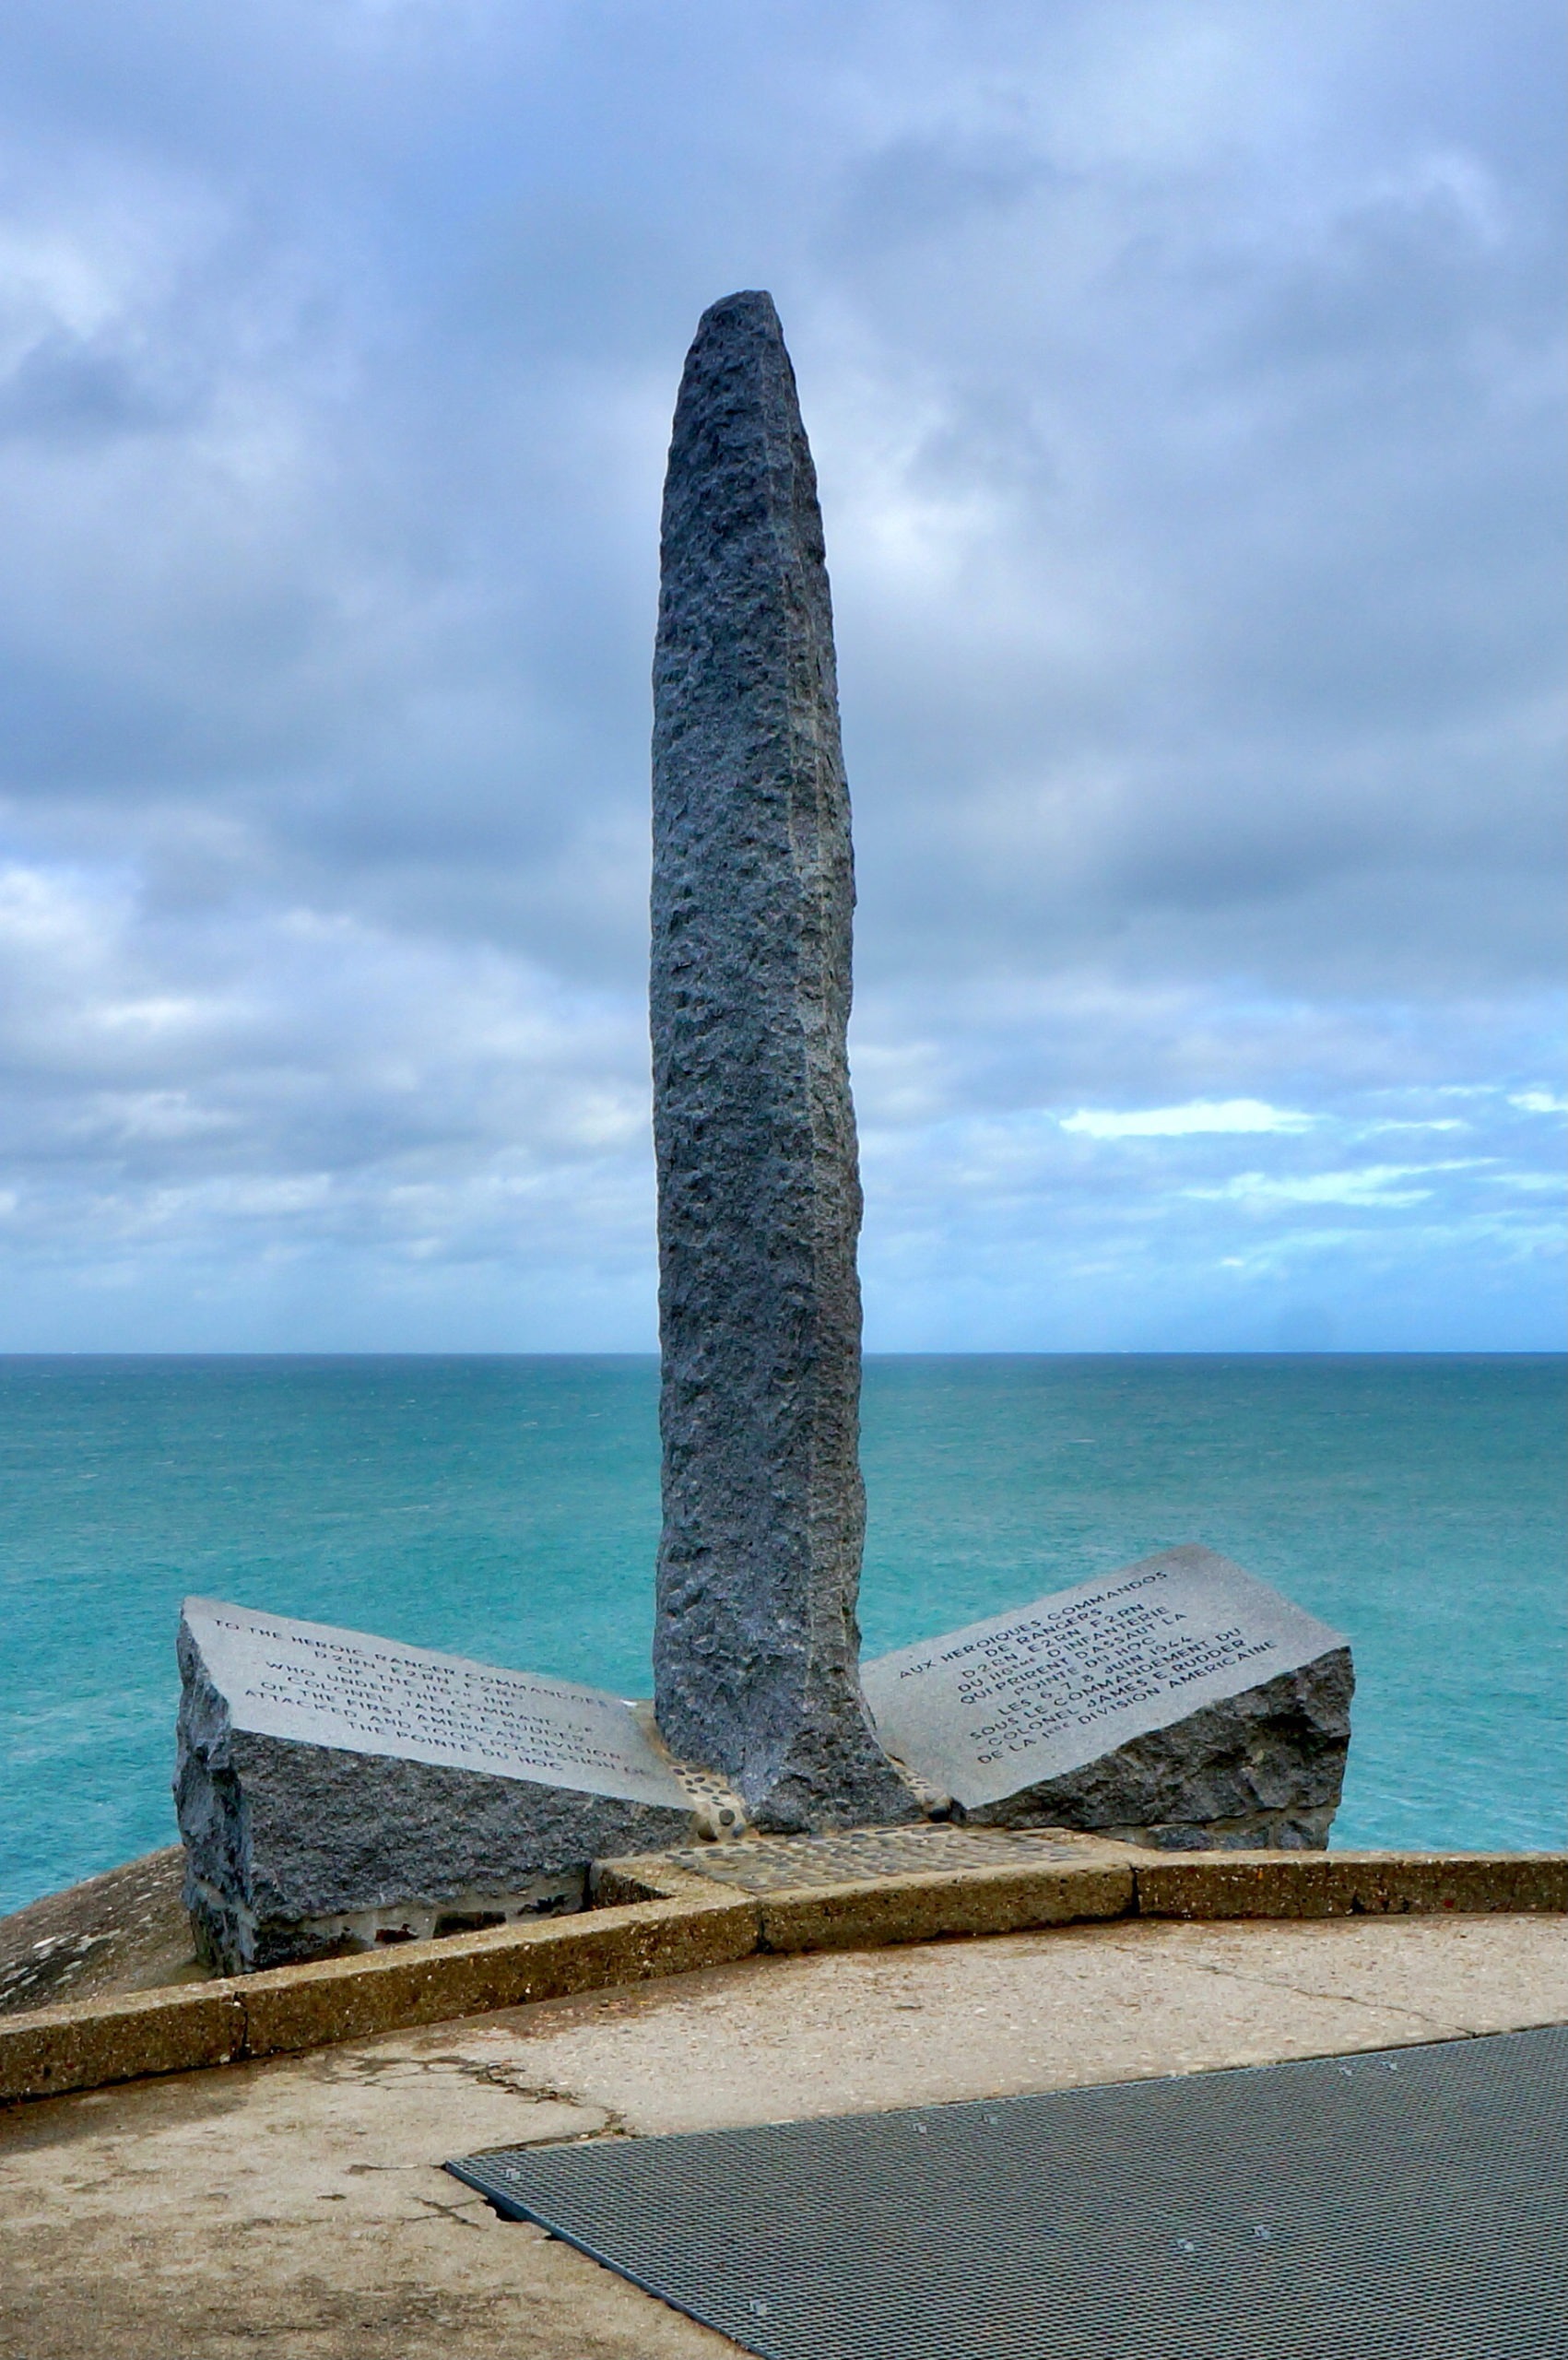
322 1686
1024 1698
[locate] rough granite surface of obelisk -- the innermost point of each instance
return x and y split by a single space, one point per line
756 1648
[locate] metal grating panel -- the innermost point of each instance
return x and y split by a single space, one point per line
1402 2204
790 1863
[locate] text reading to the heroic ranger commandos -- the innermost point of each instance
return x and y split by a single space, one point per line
322 1686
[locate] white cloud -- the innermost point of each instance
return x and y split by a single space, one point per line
1188 1121
1186 397
1373 1184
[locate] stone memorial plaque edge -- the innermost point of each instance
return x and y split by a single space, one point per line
924 1725
646 1778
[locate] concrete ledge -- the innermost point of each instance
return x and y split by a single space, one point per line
469 1974
664 1920
94 2043
923 1907
1348 1884
89 2042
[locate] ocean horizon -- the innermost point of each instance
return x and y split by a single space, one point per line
506 1507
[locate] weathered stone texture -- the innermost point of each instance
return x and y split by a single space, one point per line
121 1931
293 1850
757 1646
1178 1701
1261 1770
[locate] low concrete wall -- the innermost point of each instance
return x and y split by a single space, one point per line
663 1920
1349 1884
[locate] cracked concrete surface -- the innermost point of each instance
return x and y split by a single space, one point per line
298 2206
836 2032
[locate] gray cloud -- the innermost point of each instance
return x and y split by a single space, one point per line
1186 390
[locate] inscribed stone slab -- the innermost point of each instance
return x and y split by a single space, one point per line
1082 1676
336 1790
322 1686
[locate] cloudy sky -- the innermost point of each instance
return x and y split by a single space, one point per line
1185 378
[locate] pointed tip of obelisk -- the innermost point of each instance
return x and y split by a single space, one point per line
736 417
750 310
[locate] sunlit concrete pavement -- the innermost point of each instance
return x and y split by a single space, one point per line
298 2206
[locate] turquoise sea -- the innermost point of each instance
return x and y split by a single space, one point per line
508 1509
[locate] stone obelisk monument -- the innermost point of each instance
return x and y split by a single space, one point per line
756 1650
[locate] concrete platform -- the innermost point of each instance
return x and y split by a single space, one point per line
296 2206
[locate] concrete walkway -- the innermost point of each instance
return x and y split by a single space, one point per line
296 2207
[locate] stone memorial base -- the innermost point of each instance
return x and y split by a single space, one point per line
295 1851
1132 1707
1262 1770
335 1791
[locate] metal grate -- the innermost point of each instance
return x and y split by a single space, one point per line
1408 2202
788 1863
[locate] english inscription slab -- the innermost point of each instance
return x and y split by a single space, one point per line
323 1686
1178 1700
336 1790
